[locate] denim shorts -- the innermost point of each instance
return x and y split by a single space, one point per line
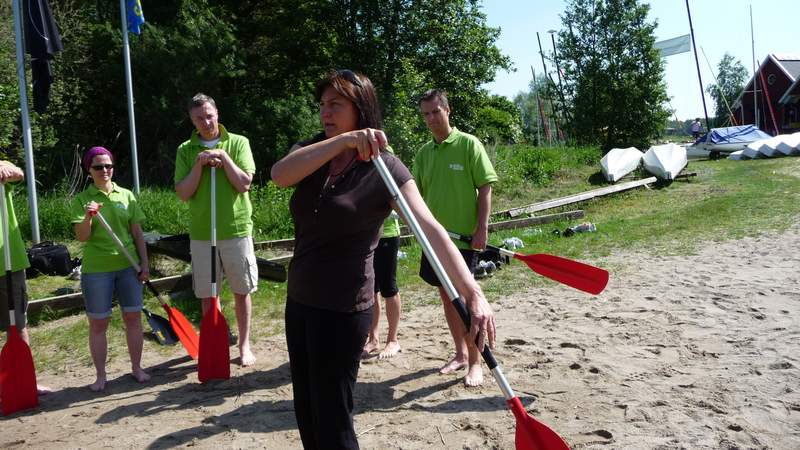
100 287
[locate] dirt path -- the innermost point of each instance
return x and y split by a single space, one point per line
678 352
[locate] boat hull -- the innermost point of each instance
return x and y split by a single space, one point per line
665 161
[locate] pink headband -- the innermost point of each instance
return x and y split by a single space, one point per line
86 162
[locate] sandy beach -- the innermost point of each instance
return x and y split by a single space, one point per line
696 352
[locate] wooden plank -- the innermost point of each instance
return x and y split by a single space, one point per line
515 212
538 220
286 244
75 299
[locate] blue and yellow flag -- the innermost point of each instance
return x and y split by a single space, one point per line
135 16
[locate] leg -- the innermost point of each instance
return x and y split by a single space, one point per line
40 388
335 341
393 308
456 327
244 309
373 340
299 363
98 347
135 339
128 290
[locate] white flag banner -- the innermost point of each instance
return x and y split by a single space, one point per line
680 44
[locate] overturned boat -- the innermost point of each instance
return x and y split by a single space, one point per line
729 139
665 161
619 162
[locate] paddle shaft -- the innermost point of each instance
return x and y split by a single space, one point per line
7 255
127 254
394 190
213 231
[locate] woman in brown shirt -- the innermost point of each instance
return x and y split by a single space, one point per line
338 207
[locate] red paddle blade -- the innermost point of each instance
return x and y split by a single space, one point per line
532 434
184 330
213 361
17 375
572 273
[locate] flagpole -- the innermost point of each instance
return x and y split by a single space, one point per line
30 176
129 85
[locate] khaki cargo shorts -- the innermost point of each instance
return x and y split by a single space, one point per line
235 258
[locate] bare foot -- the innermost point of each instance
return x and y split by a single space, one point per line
247 357
99 384
43 390
140 375
392 348
455 364
369 348
474 376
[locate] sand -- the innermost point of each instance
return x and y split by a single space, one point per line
695 352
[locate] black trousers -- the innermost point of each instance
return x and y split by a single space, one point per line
324 353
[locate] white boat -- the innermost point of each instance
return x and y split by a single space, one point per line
751 150
729 139
790 144
768 147
665 161
737 155
619 162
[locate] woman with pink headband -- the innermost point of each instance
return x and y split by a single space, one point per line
106 271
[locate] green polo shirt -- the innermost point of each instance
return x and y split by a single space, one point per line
19 257
391 226
448 176
234 210
120 209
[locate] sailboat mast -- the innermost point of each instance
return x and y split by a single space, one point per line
755 78
697 64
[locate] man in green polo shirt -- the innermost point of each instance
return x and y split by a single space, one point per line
455 177
211 145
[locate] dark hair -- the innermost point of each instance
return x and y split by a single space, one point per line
200 99
432 94
358 89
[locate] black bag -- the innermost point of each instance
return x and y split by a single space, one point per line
50 259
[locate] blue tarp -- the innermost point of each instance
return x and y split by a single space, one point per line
733 135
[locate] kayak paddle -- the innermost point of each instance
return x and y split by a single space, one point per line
572 273
17 372
182 328
161 328
531 434
215 357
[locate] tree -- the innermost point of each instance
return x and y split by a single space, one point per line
731 77
614 80
259 59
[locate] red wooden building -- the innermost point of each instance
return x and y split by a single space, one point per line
777 92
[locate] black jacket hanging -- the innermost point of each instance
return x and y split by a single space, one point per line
42 41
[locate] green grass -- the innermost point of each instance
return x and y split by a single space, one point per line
727 200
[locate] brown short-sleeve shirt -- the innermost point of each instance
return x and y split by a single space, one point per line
337 228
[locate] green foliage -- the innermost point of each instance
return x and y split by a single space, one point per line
731 77
499 121
614 77
271 218
521 166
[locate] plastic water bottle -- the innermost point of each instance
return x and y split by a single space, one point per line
513 243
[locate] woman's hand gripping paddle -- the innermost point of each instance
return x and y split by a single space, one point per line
531 434
214 360
181 327
17 372
572 273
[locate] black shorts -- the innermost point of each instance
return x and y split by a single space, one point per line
427 273
385 265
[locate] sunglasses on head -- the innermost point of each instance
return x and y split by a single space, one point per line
102 166
350 76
